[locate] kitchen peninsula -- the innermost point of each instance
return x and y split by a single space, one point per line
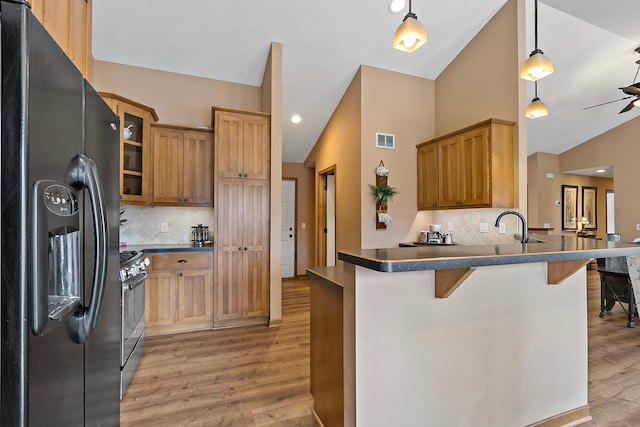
458 335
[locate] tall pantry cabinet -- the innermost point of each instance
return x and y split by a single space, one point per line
242 170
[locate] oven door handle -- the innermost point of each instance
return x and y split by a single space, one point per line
137 281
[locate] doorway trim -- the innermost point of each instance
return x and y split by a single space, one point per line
321 217
295 227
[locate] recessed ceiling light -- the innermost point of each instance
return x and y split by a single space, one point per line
295 119
396 6
600 171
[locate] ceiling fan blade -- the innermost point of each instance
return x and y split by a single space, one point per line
634 89
608 102
629 107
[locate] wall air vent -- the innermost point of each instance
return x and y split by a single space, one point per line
385 140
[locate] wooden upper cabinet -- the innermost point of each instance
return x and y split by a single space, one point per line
475 168
449 168
168 154
69 23
243 144
475 182
198 168
182 166
428 180
135 147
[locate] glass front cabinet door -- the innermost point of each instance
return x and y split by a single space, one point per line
135 147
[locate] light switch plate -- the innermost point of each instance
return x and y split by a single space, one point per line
638 227
164 227
484 227
503 228
303 225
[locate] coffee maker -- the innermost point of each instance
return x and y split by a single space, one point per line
434 235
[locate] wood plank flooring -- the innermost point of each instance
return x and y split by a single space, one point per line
258 376
251 376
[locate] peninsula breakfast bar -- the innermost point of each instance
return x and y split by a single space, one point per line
486 335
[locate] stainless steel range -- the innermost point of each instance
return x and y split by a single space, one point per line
133 273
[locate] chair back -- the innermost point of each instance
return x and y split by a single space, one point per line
633 263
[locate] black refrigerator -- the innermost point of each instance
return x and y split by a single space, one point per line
59 294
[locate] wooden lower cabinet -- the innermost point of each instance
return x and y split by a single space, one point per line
242 252
179 292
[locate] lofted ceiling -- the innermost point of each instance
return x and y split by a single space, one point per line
324 42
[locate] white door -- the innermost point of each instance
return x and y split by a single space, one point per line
287 231
331 220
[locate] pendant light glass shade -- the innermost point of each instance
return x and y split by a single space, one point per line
537 66
410 35
536 109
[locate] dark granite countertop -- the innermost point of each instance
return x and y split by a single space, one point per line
178 247
550 248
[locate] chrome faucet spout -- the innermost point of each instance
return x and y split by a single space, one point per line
525 238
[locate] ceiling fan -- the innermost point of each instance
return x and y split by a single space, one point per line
632 91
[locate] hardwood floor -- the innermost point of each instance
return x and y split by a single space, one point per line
252 376
614 363
258 376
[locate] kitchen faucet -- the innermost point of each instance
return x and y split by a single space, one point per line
525 238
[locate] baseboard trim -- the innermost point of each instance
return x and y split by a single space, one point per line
571 418
274 323
315 415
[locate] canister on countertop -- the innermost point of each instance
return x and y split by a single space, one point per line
199 234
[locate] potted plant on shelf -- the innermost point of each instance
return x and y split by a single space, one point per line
382 193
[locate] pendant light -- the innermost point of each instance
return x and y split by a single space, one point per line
411 34
537 108
538 65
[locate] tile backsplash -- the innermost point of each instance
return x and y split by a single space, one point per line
144 224
466 225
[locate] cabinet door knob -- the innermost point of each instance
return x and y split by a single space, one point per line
435 204
239 249
184 200
180 274
245 175
290 235
245 249
290 228
182 261
239 175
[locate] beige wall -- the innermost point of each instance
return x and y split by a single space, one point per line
619 148
271 94
402 105
544 192
305 213
178 99
482 82
339 146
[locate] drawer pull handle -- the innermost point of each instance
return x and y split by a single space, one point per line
182 261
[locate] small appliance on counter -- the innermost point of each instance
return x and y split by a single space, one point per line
434 235
200 235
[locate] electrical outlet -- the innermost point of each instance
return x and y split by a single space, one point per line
484 227
164 227
546 225
450 226
503 228
638 227
303 225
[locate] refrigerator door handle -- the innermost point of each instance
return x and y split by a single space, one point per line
84 174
